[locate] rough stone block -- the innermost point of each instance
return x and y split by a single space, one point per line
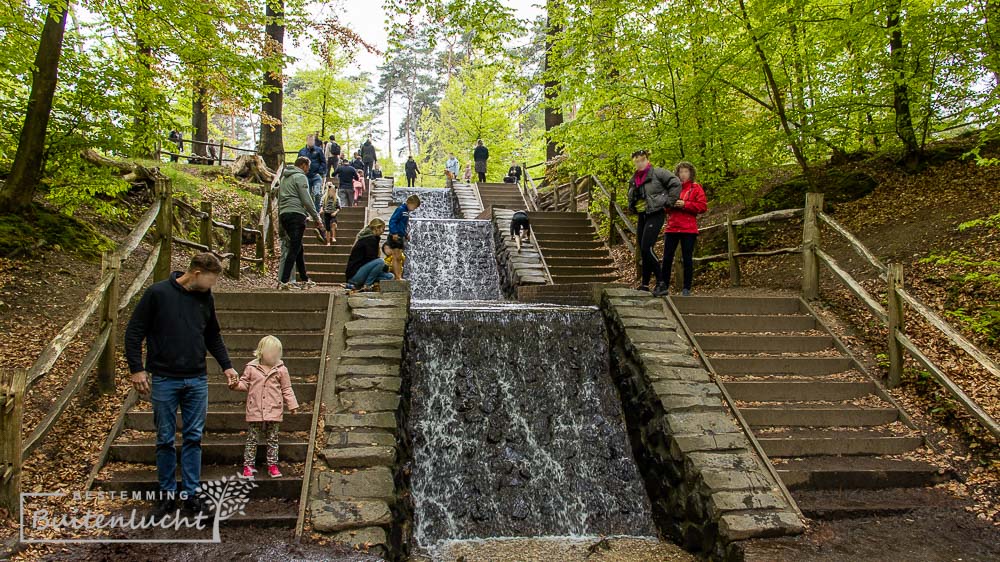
359 438
700 423
395 286
384 420
362 538
357 457
373 369
375 483
388 300
380 313
740 526
374 353
738 461
659 372
650 322
624 293
721 480
684 444
329 516
358 342
672 359
391 384
377 327
677 403
367 401
721 502
662 388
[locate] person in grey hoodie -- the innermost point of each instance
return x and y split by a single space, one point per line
294 205
650 192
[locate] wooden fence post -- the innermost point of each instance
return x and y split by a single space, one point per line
572 194
235 245
732 248
164 228
260 253
271 229
107 363
611 215
12 385
205 232
810 243
895 310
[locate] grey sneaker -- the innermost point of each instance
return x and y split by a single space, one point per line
290 286
661 290
309 284
686 292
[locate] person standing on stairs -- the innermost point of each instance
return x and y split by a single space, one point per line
346 175
177 321
317 168
650 192
411 172
331 207
332 152
451 167
364 266
682 228
294 205
399 234
480 155
468 173
368 157
376 171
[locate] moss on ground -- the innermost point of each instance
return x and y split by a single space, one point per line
20 233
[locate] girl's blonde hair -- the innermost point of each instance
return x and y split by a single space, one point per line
266 343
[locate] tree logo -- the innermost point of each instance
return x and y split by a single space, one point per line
228 496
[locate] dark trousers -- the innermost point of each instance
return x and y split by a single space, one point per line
649 227
411 181
670 241
294 225
482 177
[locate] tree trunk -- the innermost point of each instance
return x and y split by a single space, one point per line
199 120
900 88
993 39
553 116
272 147
29 160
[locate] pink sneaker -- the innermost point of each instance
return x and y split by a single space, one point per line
273 471
248 471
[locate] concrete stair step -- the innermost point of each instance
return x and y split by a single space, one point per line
290 341
220 420
214 450
579 261
551 230
781 365
713 304
742 323
762 344
798 390
818 416
227 303
596 252
575 279
311 318
833 472
810 443
570 244
329 267
595 270
860 503
325 257
220 392
127 478
296 365
328 278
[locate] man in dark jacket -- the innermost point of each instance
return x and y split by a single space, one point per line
345 176
176 319
480 155
368 158
332 156
650 191
317 169
411 172
357 164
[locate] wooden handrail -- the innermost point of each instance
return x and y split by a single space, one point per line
873 305
766 217
854 242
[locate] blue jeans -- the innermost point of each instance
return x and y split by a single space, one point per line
316 189
191 394
369 273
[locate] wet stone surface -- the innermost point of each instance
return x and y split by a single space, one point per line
452 260
516 427
435 203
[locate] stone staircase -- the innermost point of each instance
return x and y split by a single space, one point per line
381 192
503 195
468 199
573 251
830 429
299 320
326 264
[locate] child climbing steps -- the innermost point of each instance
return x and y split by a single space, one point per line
268 386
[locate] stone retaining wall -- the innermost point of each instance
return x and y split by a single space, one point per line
708 488
353 494
516 269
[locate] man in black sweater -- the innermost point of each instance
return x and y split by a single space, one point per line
176 318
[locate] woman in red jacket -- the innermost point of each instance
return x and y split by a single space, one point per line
682 228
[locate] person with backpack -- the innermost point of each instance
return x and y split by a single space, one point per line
411 172
317 168
650 192
480 155
682 228
332 156
368 156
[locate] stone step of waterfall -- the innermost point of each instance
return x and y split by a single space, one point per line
221 421
701 323
215 450
763 343
284 320
799 390
271 302
701 304
796 442
800 414
858 472
772 365
130 478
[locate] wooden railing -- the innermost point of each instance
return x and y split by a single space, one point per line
219 158
107 303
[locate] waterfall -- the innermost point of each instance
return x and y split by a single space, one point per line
452 260
435 203
516 427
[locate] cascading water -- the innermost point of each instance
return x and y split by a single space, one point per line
435 203
452 260
515 426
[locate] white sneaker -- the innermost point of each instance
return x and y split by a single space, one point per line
290 286
309 284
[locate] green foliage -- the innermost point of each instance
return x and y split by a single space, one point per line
323 102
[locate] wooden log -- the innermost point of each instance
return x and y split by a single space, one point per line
967 403
73 385
235 246
810 246
129 245
611 210
200 248
259 254
164 224
854 242
855 287
252 168
13 383
895 324
205 226
951 333
732 248
783 214
107 363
